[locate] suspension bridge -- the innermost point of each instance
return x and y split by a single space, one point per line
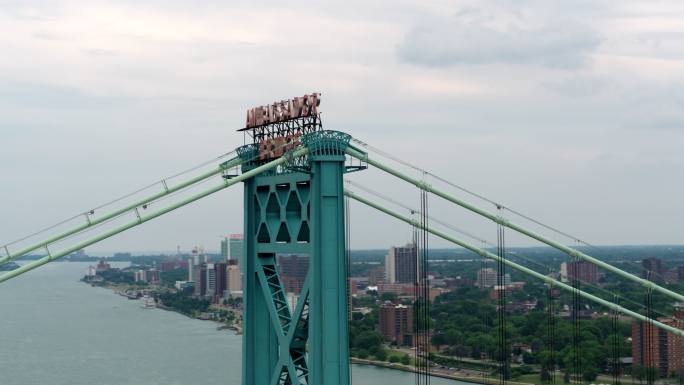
296 200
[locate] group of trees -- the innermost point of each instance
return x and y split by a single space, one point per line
184 304
466 322
364 340
117 276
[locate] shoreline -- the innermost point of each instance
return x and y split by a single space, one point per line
116 289
448 376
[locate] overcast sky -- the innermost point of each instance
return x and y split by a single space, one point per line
569 111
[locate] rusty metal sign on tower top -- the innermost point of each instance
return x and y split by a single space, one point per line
277 127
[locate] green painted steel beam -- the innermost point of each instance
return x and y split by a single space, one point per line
523 269
144 218
91 223
570 251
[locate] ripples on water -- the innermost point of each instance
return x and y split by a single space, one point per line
56 330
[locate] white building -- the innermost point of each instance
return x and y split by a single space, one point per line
92 271
564 272
139 276
191 270
487 277
211 279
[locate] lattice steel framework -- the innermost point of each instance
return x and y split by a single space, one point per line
297 209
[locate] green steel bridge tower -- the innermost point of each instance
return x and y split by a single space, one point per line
298 208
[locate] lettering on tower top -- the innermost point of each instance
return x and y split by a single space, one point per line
277 127
284 110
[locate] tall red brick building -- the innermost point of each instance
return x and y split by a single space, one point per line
293 270
396 323
583 271
654 347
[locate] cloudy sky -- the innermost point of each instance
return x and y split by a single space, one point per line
569 111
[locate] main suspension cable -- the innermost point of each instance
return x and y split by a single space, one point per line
125 196
518 255
472 193
518 228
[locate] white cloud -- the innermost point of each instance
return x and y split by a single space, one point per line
475 36
98 99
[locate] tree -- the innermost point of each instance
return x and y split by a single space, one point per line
388 297
380 355
638 373
405 359
368 340
393 359
589 374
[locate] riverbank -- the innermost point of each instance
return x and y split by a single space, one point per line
435 372
226 318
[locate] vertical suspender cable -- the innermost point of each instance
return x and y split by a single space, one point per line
573 310
347 241
576 337
485 318
551 337
501 295
649 364
426 286
615 368
420 347
422 296
419 292
416 309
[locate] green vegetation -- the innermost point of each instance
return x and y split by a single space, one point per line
117 276
184 304
170 277
467 324
364 340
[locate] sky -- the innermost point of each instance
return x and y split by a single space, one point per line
571 112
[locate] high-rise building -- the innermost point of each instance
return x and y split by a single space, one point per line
652 268
653 347
396 323
235 250
234 277
225 251
487 278
139 276
221 285
211 280
401 264
200 280
564 272
293 270
376 275
152 276
680 273
583 271
191 270
149 276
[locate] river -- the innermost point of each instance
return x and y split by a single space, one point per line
56 330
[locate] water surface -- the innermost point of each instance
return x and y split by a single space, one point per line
55 330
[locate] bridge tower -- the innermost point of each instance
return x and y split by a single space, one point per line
297 209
